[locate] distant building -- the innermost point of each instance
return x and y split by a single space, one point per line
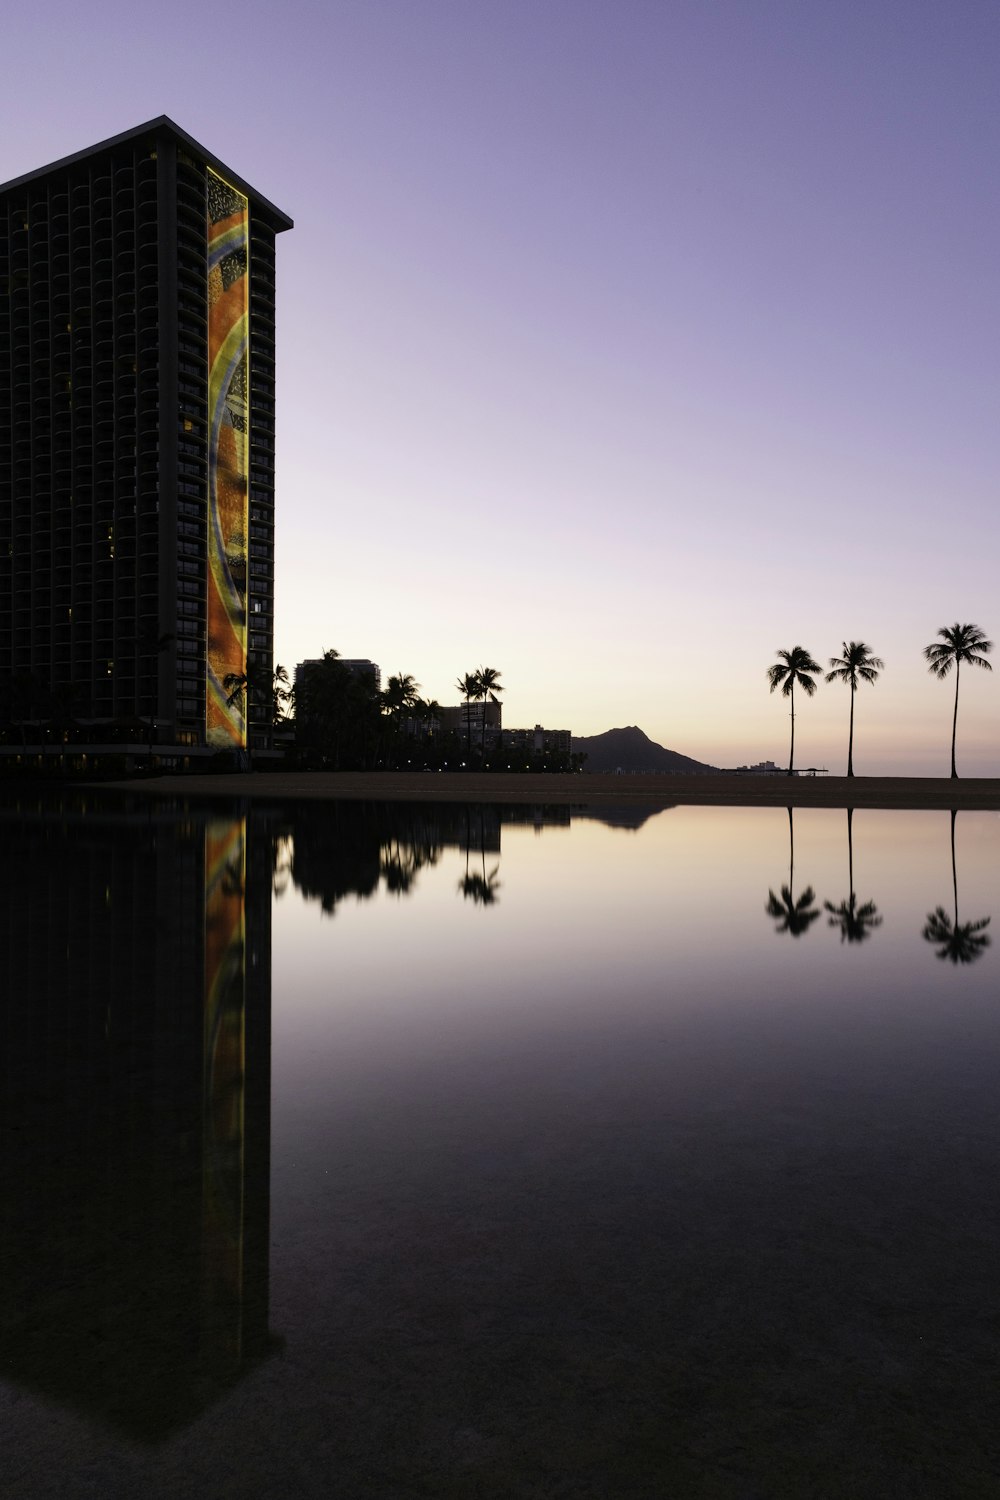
359 666
537 741
470 716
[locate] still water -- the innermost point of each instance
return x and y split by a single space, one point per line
378 1151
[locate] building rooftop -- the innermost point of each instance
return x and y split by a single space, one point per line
163 125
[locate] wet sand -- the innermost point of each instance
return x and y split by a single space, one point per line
586 790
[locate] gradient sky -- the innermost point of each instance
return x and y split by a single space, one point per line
620 344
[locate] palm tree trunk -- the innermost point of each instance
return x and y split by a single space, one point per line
954 722
791 753
791 852
850 741
954 867
850 850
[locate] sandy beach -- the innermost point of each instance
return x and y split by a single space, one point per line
709 791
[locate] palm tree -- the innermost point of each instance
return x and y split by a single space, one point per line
793 667
399 699
400 694
488 686
957 943
958 643
856 665
855 922
468 686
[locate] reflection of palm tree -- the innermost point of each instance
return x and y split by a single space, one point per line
958 643
958 943
792 916
856 665
855 922
793 669
400 864
482 889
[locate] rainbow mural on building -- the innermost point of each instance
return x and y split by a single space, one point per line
228 460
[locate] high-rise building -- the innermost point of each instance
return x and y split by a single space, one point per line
137 443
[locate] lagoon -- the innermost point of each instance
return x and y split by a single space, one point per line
390 1150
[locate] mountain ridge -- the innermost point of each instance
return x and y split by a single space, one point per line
631 750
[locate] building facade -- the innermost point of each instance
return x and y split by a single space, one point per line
137 325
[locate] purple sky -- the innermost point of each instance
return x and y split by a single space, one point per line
620 344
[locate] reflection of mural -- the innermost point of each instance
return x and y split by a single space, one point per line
135 1035
228 450
224 1069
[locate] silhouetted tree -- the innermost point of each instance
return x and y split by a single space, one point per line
468 686
487 686
958 644
856 665
266 690
337 712
956 942
792 670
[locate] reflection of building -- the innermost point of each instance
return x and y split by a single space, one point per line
135 1038
137 439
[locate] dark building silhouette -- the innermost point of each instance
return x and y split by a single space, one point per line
137 325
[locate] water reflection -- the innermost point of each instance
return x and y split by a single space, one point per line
602 1193
331 851
135 1034
856 923
956 942
789 914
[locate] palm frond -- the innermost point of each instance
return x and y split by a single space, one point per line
958 643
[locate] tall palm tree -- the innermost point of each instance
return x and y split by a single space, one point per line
488 683
958 643
790 670
399 699
856 665
956 942
468 686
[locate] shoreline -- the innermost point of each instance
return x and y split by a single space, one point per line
888 792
